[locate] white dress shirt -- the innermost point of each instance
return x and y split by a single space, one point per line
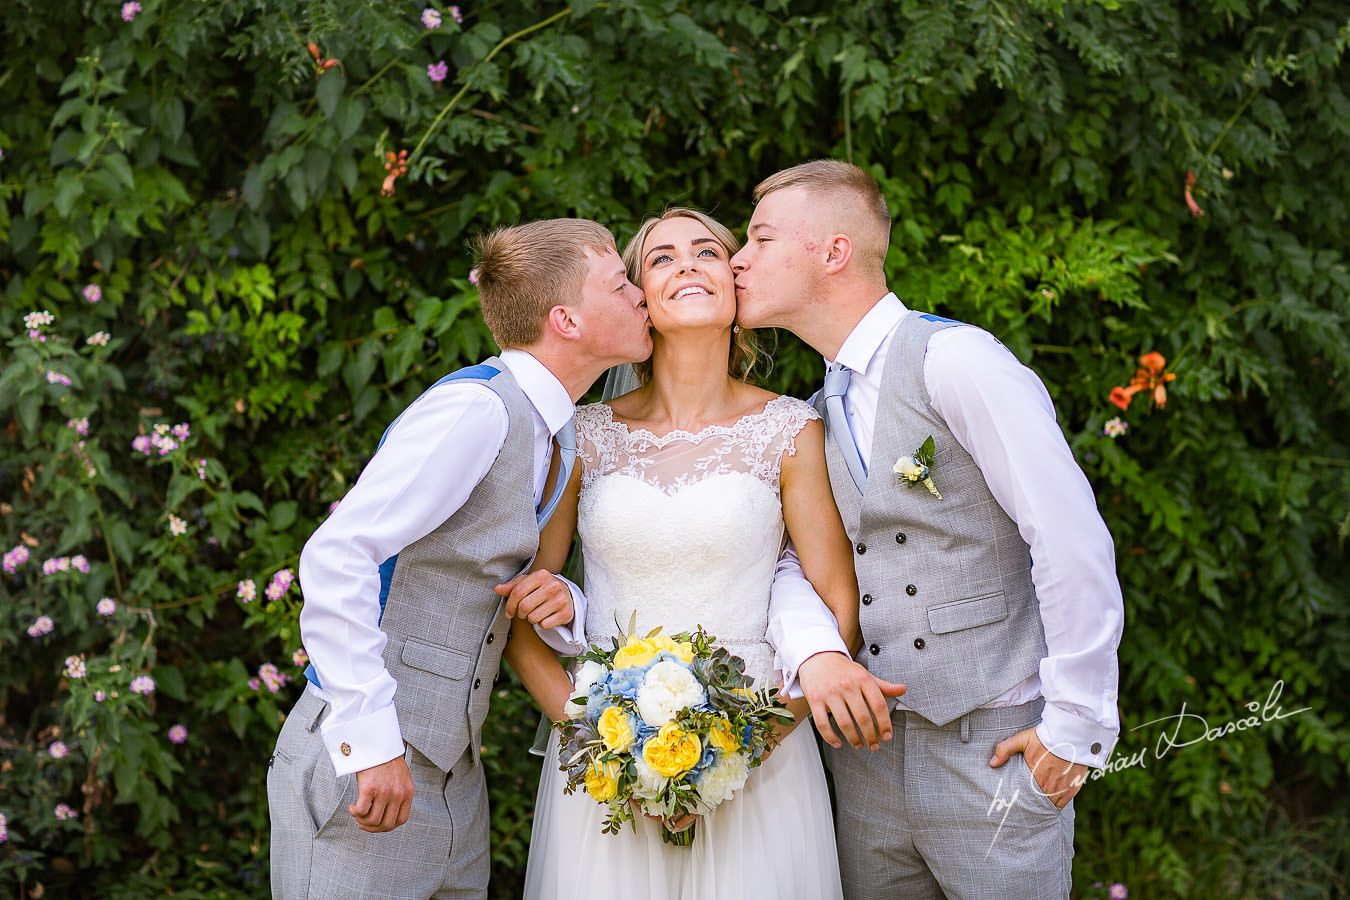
1002 415
402 495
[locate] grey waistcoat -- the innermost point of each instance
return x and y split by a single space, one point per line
445 624
948 607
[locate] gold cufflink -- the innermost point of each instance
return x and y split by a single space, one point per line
346 749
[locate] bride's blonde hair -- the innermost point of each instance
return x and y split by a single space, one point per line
745 354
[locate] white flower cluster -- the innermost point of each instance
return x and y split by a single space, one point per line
589 673
723 780
668 688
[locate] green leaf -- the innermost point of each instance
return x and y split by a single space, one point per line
122 169
351 111
329 91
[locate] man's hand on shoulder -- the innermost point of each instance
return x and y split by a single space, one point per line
836 685
384 796
540 597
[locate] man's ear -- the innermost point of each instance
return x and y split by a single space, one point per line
839 251
563 323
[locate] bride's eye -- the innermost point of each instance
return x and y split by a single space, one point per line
658 258
709 251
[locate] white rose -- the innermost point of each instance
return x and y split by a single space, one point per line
585 678
650 783
667 688
908 469
725 777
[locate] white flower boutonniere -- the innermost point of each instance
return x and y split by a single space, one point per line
915 467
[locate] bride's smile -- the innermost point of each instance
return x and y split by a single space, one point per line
687 277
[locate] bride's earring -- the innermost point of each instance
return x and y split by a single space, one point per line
736 329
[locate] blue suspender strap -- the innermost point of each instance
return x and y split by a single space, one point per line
480 372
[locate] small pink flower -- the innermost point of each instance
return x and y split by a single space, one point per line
107 606
143 684
15 558
64 812
437 71
1115 427
41 625
1118 891
473 276
176 525
4 828
57 750
79 564
58 378
300 657
141 444
99 696
129 10
455 14
248 591
201 469
75 667
80 426
182 431
332 506
178 734
254 684
431 18
281 583
92 292
272 677
98 339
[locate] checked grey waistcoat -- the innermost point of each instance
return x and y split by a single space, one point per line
948 607
445 624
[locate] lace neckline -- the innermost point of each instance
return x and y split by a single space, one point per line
693 437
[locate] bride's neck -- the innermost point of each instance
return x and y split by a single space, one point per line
690 386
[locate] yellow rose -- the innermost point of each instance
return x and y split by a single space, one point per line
615 730
683 650
602 781
673 751
637 652
724 737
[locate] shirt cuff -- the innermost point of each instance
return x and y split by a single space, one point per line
568 640
361 743
1074 738
818 640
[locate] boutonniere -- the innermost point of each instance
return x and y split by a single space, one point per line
914 468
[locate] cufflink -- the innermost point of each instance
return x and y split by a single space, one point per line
346 749
1095 748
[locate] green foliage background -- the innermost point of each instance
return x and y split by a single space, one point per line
222 190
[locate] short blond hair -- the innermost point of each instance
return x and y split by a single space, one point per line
523 271
852 196
745 354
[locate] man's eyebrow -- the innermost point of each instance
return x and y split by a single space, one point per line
759 226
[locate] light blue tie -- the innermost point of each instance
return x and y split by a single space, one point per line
567 445
836 385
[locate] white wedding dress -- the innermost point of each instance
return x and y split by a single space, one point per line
686 530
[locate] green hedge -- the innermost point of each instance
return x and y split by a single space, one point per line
217 187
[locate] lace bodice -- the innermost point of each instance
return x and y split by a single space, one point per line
685 529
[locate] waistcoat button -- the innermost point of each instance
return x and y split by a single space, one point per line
900 538
477 683
874 649
918 643
491 637
867 599
861 548
911 590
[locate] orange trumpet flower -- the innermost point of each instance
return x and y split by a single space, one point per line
1149 377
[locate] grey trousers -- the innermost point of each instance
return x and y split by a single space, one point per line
926 817
318 851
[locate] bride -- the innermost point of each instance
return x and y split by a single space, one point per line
682 499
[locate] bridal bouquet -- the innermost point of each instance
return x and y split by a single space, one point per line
671 723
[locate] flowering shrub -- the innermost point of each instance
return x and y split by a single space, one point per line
232 248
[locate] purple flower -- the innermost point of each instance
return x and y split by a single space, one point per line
455 14
129 10
92 292
107 606
248 591
201 469
143 684
41 625
79 564
80 425
64 812
58 378
300 657
4 828
272 677
431 18
281 583
99 696
141 444
58 750
178 734
254 684
75 667
1118 891
181 431
437 71
15 558
473 276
